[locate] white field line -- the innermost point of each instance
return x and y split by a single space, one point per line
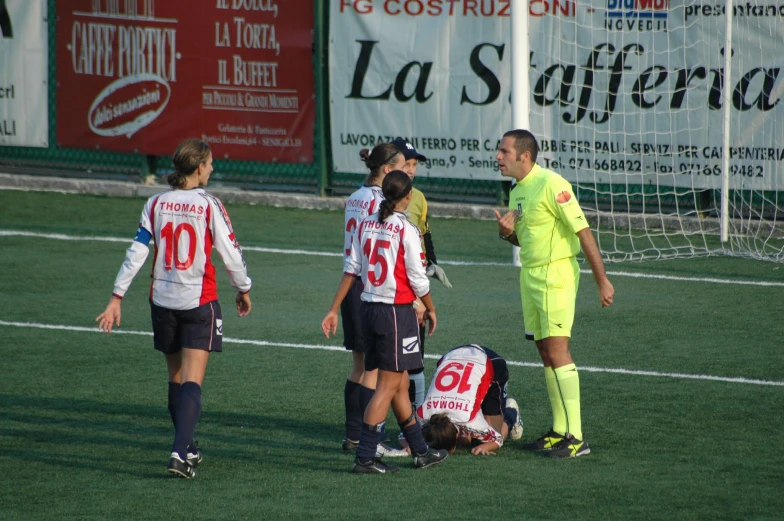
265 343
709 280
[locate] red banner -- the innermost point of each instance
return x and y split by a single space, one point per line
142 75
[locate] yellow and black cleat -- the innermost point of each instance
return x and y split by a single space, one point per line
546 442
570 447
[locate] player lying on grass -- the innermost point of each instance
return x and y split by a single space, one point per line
466 404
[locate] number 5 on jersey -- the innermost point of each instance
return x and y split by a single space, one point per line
375 256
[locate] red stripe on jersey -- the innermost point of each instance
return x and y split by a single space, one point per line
403 292
372 209
484 385
155 242
209 289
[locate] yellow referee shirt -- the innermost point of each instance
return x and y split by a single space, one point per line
550 217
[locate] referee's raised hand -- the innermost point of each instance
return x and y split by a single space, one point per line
506 223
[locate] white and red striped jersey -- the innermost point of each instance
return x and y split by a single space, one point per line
389 258
359 205
185 225
462 378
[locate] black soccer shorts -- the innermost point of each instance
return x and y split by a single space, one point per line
197 328
392 334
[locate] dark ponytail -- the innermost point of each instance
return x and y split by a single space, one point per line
395 187
187 158
382 154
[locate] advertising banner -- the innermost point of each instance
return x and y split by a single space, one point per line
435 73
142 75
621 91
24 55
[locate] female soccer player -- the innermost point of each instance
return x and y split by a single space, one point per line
386 254
184 223
361 384
467 402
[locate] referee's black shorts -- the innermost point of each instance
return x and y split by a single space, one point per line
197 328
392 335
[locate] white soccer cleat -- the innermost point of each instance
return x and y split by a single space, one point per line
517 429
385 451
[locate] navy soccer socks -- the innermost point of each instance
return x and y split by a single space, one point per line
369 439
354 410
188 412
174 400
413 435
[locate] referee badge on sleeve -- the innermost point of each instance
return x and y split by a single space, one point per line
563 197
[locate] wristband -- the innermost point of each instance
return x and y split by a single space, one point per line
507 237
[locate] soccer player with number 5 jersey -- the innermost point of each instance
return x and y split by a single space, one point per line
185 223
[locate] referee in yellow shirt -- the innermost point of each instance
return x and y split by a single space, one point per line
546 221
417 215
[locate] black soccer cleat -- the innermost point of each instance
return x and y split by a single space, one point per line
546 442
569 447
374 466
430 458
194 455
179 468
350 445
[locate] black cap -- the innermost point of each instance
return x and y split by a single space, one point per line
408 150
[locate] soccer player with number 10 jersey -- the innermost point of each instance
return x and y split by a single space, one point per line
185 223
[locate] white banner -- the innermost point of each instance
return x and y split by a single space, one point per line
440 80
24 52
622 91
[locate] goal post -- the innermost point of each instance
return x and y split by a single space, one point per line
520 83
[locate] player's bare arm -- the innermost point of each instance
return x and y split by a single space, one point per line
506 225
419 309
430 313
111 315
330 323
591 252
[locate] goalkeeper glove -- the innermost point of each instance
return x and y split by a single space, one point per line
434 270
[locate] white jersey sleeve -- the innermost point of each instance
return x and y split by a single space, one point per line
227 245
136 253
415 260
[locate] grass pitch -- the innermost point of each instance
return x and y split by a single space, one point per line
85 434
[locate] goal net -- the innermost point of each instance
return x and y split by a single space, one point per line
629 100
